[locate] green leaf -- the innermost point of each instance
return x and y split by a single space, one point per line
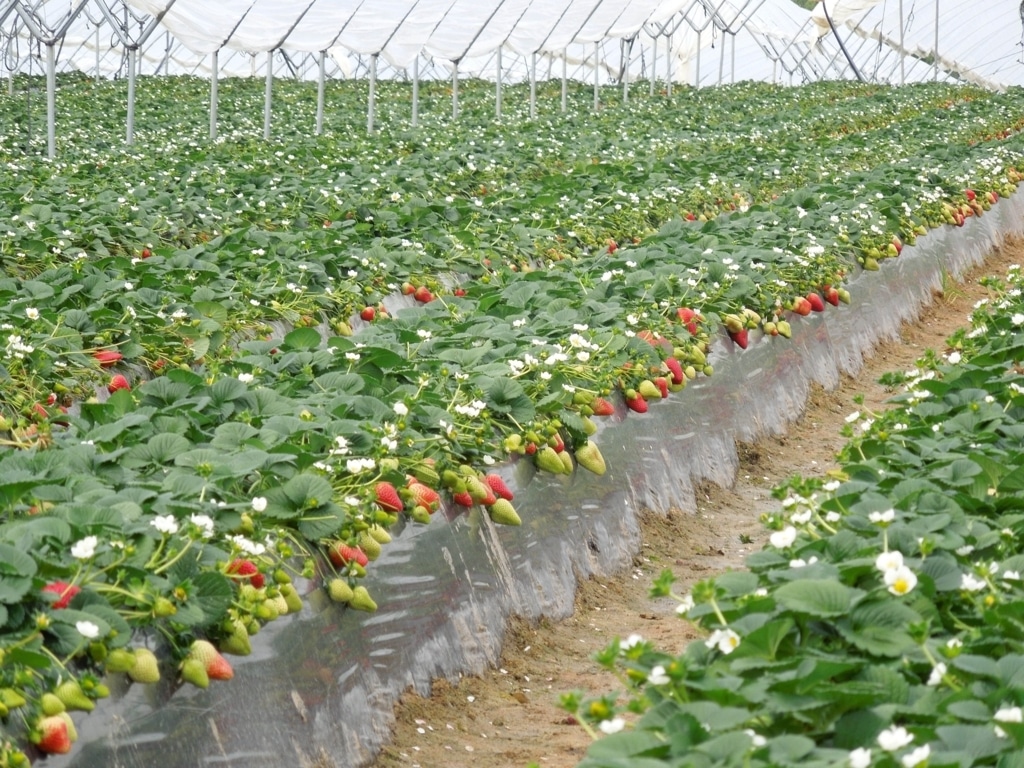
302 338
212 593
15 563
818 598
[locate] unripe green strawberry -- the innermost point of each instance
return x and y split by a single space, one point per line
237 643
74 697
162 608
785 329
503 513
479 491
265 611
420 514
427 475
281 577
280 604
50 704
119 660
589 426
649 390
339 590
291 597
11 698
566 458
369 545
97 652
379 534
145 669
589 457
193 671
361 600
547 460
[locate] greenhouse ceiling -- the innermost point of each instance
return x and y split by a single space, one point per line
696 42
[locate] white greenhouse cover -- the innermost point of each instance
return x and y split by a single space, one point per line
698 42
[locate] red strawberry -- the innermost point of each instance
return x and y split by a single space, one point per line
388 498
969 193
498 486
556 442
51 735
107 357
118 382
814 299
676 369
463 499
247 570
368 314
662 384
801 306
635 401
740 337
531 448
423 294
425 496
408 289
217 667
65 592
341 554
689 318
146 253
831 295
602 407
459 292
612 246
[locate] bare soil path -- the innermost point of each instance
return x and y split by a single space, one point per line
509 716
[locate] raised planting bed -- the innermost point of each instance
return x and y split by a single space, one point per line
265 406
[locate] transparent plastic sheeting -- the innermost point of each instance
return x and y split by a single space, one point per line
696 42
325 681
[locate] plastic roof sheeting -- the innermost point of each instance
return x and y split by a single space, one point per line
722 40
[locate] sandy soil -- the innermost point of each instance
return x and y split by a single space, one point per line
510 717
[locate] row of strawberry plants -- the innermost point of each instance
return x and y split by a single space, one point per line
231 450
881 624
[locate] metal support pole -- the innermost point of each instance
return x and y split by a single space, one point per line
321 79
696 82
936 40
597 94
533 86
371 101
267 91
51 101
455 90
214 76
415 91
669 74
903 49
721 60
133 54
627 49
565 81
732 62
497 87
654 66
97 51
